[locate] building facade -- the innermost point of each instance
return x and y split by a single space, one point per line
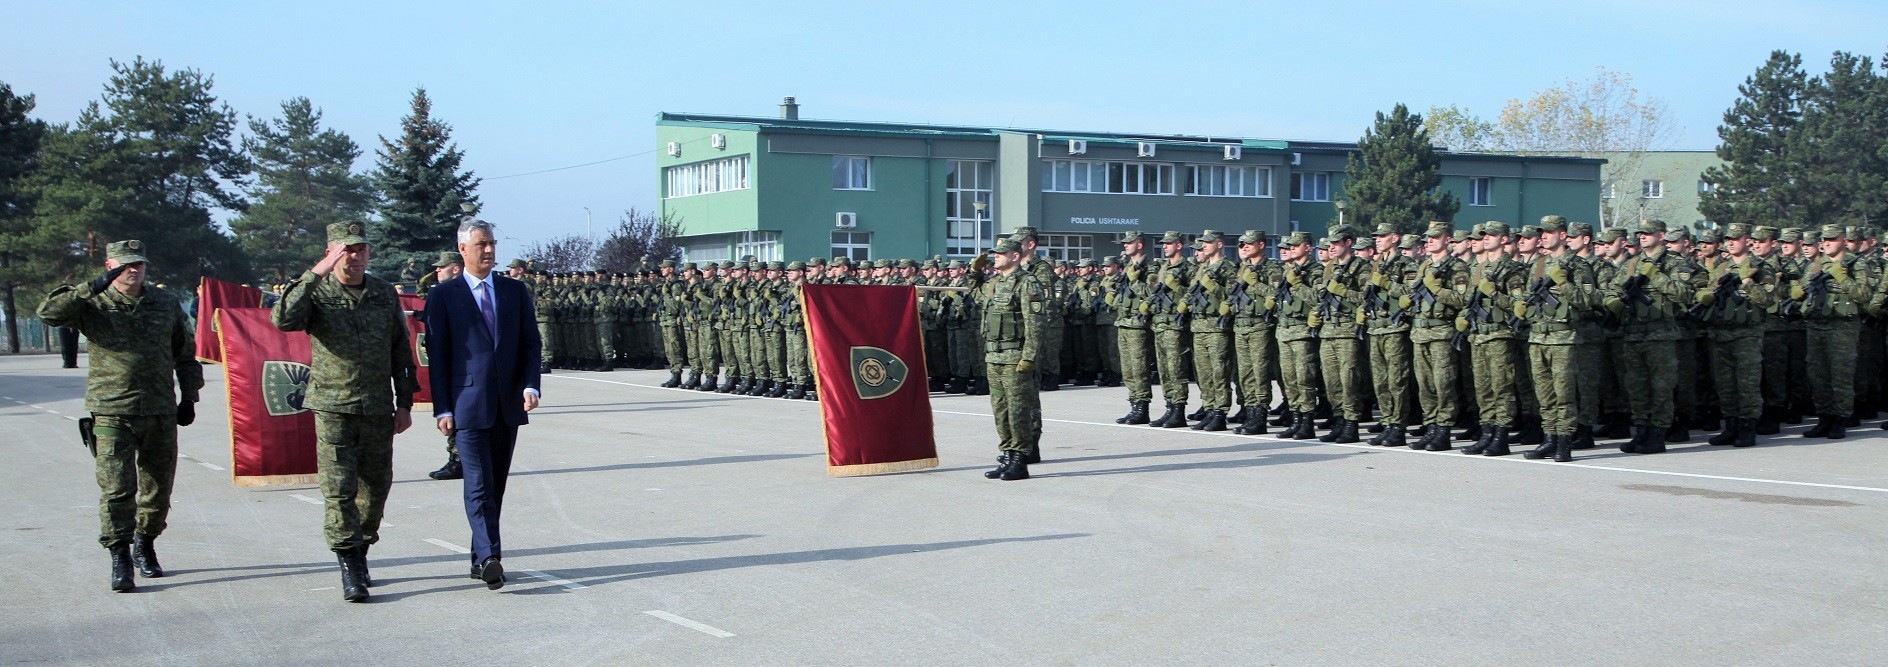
786 188
1663 185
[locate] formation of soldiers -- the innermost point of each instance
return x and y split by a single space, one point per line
1552 334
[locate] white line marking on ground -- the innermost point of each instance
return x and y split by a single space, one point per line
72 418
692 625
56 412
306 499
210 465
566 583
447 546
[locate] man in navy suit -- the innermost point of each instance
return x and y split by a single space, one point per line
484 352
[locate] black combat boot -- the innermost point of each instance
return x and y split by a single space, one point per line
675 380
1296 429
1215 421
1677 432
1378 428
1793 415
1240 416
545 368
956 385
1546 449
1137 413
1727 436
1820 430
1002 461
1486 440
1346 432
1618 426
694 380
1254 424
1017 468
1499 445
1770 422
1033 455
1473 432
779 390
710 381
353 587
1175 417
1287 418
1564 451
1838 427
798 392
1394 435
121 580
759 387
937 384
360 560
1654 441
452 470
1638 437
1531 433
144 555
1197 415
812 392
1582 437
1330 428
1746 432
979 387
1084 380
1050 382
1439 440
730 382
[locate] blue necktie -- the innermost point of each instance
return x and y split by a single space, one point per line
486 310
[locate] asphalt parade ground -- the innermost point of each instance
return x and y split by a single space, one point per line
656 526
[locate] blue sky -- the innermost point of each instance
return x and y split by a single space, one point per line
535 86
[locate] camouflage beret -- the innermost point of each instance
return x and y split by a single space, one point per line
1006 245
1834 232
1650 227
1131 236
1763 233
1580 229
1530 232
126 252
796 265
1553 223
1439 228
1173 237
1251 236
347 233
449 258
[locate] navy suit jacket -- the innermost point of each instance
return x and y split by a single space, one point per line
475 378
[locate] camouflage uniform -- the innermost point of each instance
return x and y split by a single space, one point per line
1210 315
1297 339
1011 318
1553 333
1168 285
1437 294
1339 294
1133 337
1833 315
1388 327
1254 349
1735 311
1492 338
1648 368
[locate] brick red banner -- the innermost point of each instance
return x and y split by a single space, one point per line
272 437
868 358
414 305
211 295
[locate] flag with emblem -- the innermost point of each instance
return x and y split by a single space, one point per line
414 307
272 437
214 294
868 360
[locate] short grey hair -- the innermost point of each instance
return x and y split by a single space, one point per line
475 225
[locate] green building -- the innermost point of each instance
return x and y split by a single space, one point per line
1663 185
786 188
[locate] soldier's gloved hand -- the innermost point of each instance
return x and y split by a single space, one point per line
1206 278
104 280
1461 324
1250 277
1292 278
1487 287
1615 305
1404 302
1314 320
982 260
1025 366
1839 272
1362 317
1520 310
1173 282
1336 288
1797 293
1271 303
1648 269
1557 273
1225 308
1182 308
1431 281
1144 309
1706 296
1381 281
186 413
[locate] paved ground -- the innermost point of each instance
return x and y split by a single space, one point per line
669 527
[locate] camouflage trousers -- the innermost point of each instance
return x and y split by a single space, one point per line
1780 376
1297 370
1589 365
354 459
937 355
733 348
1436 374
548 334
1049 353
704 353
606 341
1016 401
672 348
1133 347
798 366
1492 362
1212 363
1648 370
1831 351
1252 353
1390 372
1080 350
1556 385
966 352
1737 371
1108 348
1342 364
1686 379
135 465
1170 353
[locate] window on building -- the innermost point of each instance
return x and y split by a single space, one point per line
708 249
700 178
1294 225
1705 188
1481 191
1065 246
1652 188
855 246
967 182
852 172
1131 178
1219 181
1606 192
763 246
1311 186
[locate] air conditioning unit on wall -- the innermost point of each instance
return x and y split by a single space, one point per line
845 220
1077 147
1297 159
717 140
675 149
1147 149
1232 152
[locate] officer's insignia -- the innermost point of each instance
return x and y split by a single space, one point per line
354 229
419 351
134 244
877 373
284 385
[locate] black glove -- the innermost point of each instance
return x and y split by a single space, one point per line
186 413
100 283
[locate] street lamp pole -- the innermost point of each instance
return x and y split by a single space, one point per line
980 205
589 225
1341 205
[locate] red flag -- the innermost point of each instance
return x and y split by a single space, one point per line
214 294
412 305
868 358
272 437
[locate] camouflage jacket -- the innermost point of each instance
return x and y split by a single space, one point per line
137 344
363 359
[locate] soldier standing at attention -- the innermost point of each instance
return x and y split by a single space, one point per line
1644 296
1734 308
138 342
1833 290
1044 272
1128 297
1211 327
1435 297
1012 319
1107 335
1553 332
1296 304
361 391
1340 297
1388 328
670 295
1494 278
1167 289
1254 317
1589 352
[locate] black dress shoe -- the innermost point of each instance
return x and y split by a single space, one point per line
452 470
492 573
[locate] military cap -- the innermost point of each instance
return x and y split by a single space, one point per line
1385 229
1852 232
347 233
1111 260
776 266
1207 236
841 260
816 261
668 263
1530 232
1085 264
1439 228
796 265
1007 245
955 264
126 252
1650 227
1710 236
1735 230
756 265
518 264
1251 236
1763 233
1172 237
727 264
1324 243
1812 235
1409 241
1679 234
1834 232
1341 233
1021 233
1790 235
1553 223
1611 234
1495 228
907 263
1298 238
449 258
930 264
688 266
1477 233
1131 236
1579 229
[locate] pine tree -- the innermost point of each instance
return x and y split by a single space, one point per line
24 251
304 182
1394 176
422 188
1761 181
1839 148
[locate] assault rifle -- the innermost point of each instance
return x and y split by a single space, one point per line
1633 290
1726 290
1540 294
1160 298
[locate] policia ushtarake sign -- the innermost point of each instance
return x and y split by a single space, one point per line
865 341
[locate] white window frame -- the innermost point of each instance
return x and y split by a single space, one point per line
852 176
965 233
1481 191
707 177
1652 188
1315 183
763 246
1706 187
844 243
711 249
1095 177
1213 180
1607 191
1073 247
